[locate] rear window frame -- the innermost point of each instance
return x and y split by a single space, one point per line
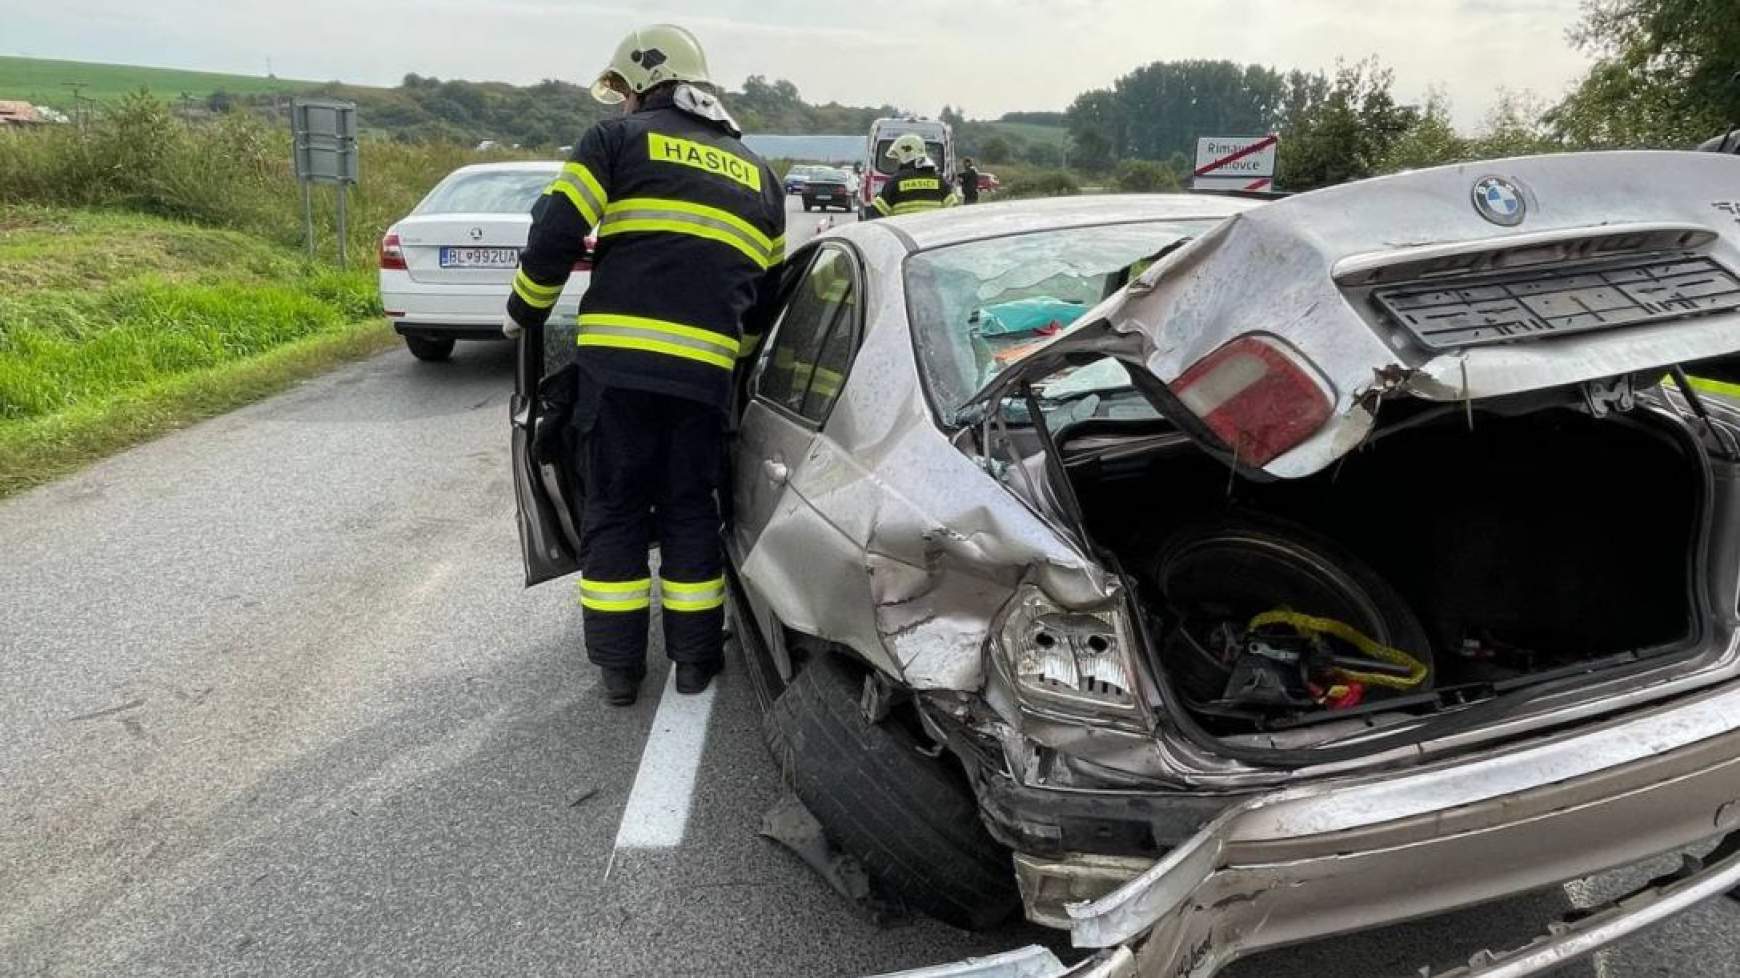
545 177
944 423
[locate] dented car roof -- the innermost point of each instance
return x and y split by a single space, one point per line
956 225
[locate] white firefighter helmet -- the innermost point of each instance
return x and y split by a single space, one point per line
651 56
909 148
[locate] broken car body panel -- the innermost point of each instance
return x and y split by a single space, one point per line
1321 256
894 538
888 539
1303 863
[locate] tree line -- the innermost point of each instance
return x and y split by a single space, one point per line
546 115
1664 76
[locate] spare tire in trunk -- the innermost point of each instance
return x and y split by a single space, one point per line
1267 616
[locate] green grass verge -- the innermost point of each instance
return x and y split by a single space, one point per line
41 81
115 327
42 449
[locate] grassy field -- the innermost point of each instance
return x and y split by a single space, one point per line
232 172
1033 133
115 327
43 82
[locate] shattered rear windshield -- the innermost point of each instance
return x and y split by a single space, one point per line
978 307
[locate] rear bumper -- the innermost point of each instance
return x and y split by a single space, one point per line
1305 863
461 311
450 331
1562 943
459 316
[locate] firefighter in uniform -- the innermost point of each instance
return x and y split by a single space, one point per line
916 185
690 237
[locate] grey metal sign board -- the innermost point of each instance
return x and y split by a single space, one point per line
325 140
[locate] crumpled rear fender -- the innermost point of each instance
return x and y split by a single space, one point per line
895 543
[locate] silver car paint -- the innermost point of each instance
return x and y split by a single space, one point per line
1201 296
895 543
890 540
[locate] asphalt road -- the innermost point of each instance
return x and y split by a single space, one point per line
273 702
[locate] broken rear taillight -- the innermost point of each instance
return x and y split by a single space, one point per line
1258 395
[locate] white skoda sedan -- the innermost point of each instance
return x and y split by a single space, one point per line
447 267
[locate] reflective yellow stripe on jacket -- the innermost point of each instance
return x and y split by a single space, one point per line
658 336
535 295
825 382
654 214
913 206
582 189
882 207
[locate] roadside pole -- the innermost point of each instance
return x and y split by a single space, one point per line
343 229
308 215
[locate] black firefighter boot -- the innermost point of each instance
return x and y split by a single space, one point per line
692 677
621 686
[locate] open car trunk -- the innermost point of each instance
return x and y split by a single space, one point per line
1492 549
1410 455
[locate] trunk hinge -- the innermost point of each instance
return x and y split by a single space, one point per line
1603 397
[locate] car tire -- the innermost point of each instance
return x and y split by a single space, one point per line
1254 548
808 207
911 819
430 348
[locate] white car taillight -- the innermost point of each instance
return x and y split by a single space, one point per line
1258 395
392 253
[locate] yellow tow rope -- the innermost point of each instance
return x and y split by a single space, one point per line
1310 624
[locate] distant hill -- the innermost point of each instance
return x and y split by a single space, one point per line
44 82
543 116
1037 118
1038 133
820 148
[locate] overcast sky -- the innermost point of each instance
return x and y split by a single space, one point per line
991 56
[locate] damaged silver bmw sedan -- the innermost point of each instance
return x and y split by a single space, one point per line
1203 575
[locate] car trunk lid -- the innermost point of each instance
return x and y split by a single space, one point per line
1451 284
476 247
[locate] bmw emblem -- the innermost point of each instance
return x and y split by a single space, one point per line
1499 201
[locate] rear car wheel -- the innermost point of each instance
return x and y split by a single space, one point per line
910 818
429 348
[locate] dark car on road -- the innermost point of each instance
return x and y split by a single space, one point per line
798 176
829 188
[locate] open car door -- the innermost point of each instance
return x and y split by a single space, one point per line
546 490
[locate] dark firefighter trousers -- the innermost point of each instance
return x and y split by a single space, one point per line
650 464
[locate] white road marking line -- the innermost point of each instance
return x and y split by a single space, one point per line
657 813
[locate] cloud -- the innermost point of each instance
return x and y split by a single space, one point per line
990 56
694 21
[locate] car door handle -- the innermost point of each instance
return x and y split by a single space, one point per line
775 471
